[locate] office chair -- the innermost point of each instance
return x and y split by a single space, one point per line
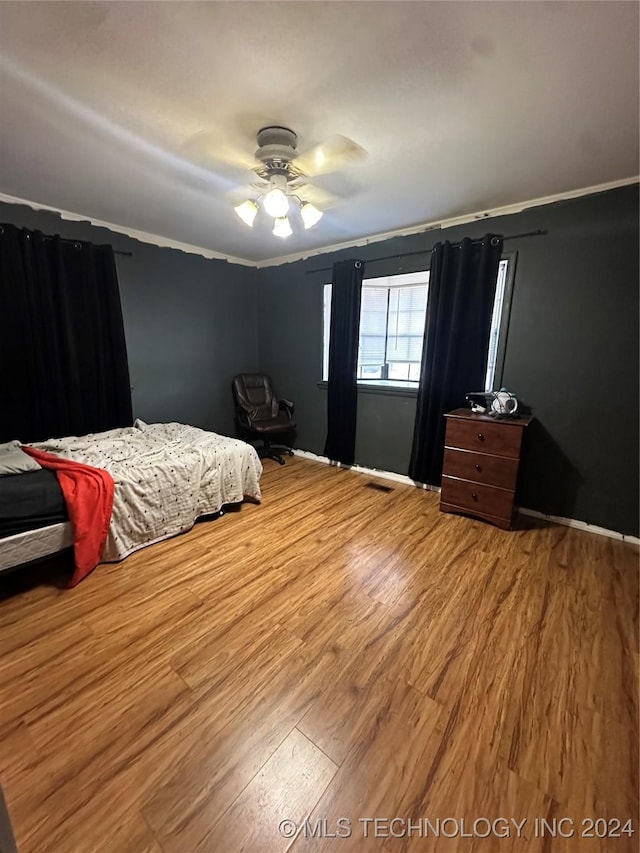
260 415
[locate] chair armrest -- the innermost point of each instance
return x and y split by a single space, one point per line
286 404
243 418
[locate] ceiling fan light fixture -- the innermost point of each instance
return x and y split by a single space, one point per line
276 203
310 214
247 211
284 176
282 227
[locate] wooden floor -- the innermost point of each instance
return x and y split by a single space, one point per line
337 654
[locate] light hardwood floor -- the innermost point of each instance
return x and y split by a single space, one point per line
335 653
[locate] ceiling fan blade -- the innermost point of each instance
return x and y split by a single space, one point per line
329 156
246 191
322 199
209 149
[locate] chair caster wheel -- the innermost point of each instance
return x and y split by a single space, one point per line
281 461
290 452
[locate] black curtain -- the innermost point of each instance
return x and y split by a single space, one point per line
63 357
462 285
342 401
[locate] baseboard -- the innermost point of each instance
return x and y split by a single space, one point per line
371 472
581 525
407 481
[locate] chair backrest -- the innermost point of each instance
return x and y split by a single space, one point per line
253 393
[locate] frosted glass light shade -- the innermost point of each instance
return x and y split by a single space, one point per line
310 214
247 212
276 203
281 227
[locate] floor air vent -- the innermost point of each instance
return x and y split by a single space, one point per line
378 487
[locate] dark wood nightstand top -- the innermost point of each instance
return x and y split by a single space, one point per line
467 414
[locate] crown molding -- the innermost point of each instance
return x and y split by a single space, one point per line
142 236
167 243
491 213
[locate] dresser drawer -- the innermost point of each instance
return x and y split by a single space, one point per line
477 498
481 468
485 437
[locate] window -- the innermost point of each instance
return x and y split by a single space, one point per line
496 338
392 318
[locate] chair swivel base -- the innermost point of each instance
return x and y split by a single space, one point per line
273 451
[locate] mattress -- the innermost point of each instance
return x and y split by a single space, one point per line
33 544
30 501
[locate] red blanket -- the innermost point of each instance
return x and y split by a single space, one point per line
88 494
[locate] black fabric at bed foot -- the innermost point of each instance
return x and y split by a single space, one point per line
29 501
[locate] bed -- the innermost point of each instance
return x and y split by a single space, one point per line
33 517
165 476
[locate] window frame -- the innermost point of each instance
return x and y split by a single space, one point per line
505 318
410 387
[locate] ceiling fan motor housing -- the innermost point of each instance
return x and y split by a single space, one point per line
277 147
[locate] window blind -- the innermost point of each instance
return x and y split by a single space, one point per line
373 326
405 324
494 336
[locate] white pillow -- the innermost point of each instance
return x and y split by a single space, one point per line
13 460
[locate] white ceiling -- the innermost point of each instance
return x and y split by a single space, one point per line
128 113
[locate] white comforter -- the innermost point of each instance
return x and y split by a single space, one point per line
166 476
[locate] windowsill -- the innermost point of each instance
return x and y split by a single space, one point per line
383 386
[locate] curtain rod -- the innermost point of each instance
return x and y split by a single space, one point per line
76 243
539 233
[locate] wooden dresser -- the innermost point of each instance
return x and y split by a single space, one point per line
480 470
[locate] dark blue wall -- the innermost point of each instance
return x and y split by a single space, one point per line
572 353
190 323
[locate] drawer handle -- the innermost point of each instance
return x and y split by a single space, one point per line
477 467
481 436
474 496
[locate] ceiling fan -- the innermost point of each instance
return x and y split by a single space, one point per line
284 177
